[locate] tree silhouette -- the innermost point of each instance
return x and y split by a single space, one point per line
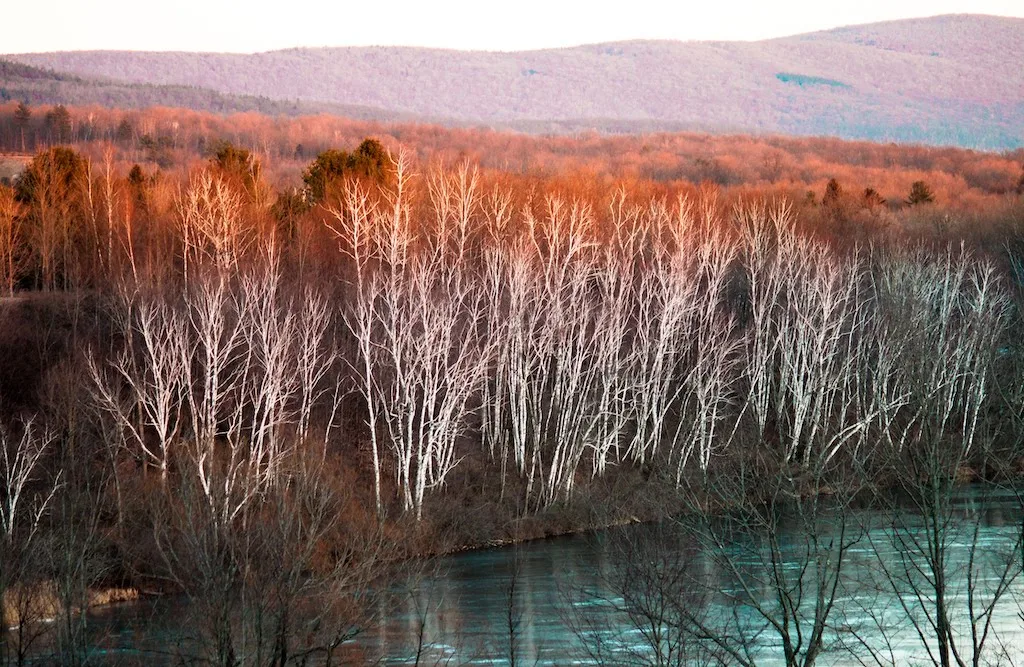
243 169
22 115
231 159
833 192
125 131
51 190
872 199
369 161
58 123
328 167
920 193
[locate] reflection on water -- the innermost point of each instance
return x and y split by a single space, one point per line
559 601
464 607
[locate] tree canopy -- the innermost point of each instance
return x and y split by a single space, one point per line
58 167
369 160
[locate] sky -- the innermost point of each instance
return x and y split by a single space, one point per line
263 25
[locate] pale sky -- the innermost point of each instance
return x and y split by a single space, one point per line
261 25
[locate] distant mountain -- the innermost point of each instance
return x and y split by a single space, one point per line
37 85
952 79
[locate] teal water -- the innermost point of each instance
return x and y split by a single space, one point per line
565 597
564 601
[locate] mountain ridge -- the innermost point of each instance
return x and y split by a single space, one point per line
947 79
814 34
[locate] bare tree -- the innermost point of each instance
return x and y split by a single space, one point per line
28 491
54 199
10 239
430 364
258 589
152 369
945 317
415 320
75 558
643 609
356 231
773 512
212 227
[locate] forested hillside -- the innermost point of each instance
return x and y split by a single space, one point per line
947 80
36 85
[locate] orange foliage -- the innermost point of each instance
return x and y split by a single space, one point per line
976 193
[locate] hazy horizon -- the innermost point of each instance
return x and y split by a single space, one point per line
260 26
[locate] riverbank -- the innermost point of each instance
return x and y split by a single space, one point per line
41 603
468 522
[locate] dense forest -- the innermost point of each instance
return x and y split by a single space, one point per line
262 362
970 185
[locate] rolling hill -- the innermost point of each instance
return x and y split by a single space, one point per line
953 79
37 85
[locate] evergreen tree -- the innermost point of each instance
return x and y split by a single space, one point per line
369 161
22 115
873 200
920 193
125 131
232 159
51 189
239 166
833 193
58 123
328 168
